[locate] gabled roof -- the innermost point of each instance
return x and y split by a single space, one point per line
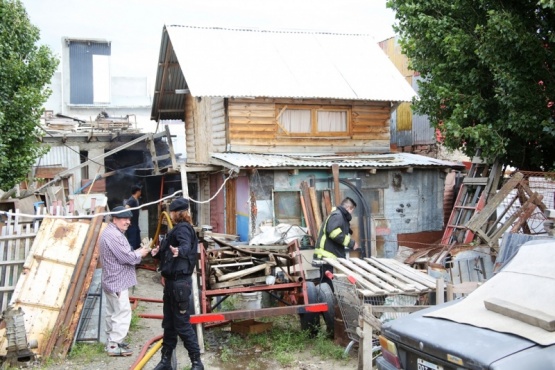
224 62
239 161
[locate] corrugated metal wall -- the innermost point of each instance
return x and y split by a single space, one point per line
406 128
63 156
422 131
81 69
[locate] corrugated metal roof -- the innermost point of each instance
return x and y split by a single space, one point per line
393 160
285 64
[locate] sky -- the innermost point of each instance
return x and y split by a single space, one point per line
134 27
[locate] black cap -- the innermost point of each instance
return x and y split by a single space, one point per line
121 212
179 204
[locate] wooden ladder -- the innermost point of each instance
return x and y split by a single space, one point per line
472 196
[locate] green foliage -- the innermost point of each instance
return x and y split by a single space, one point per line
25 70
488 74
86 352
283 343
135 319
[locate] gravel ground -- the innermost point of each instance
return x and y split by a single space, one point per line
215 340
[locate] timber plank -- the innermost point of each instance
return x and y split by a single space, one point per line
384 276
252 113
251 120
371 278
479 219
518 312
359 279
409 272
397 274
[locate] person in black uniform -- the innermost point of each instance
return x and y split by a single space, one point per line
133 233
334 238
178 257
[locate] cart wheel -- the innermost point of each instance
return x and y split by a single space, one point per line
325 295
311 321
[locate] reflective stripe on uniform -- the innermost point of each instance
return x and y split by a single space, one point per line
338 231
320 252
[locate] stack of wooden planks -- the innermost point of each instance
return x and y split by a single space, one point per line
314 212
383 276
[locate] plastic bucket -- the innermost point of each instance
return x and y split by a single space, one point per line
249 301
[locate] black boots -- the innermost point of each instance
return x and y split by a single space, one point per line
196 364
166 362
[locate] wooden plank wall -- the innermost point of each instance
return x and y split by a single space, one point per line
190 128
252 125
205 127
218 140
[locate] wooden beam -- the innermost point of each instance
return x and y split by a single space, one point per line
527 315
335 174
315 207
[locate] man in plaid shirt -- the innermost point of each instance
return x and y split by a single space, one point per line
118 275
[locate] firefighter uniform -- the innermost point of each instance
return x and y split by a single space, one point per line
333 240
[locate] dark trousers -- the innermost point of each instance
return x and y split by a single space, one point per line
133 234
177 317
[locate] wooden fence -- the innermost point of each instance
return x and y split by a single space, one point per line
16 238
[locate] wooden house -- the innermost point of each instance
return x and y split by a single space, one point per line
278 108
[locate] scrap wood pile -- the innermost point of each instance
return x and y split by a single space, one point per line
230 266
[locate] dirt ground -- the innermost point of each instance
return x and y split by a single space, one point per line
149 286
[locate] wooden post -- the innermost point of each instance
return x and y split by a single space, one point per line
336 193
440 288
196 309
184 185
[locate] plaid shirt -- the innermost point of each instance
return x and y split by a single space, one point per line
118 260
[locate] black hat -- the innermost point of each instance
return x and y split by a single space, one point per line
179 204
121 212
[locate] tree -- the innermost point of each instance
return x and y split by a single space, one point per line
25 70
488 74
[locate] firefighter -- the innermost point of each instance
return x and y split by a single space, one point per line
334 238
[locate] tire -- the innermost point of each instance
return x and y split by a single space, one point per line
310 321
325 295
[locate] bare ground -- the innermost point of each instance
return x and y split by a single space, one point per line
215 343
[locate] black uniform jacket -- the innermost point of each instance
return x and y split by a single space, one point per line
182 235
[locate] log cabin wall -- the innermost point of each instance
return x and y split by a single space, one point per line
253 126
204 127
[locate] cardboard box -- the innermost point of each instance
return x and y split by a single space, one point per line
250 326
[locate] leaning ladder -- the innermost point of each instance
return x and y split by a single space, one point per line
472 196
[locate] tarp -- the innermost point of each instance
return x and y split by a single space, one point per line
528 280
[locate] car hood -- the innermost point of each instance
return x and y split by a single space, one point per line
440 338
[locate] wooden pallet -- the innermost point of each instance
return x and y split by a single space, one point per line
384 276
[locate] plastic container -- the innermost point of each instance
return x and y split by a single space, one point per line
249 301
